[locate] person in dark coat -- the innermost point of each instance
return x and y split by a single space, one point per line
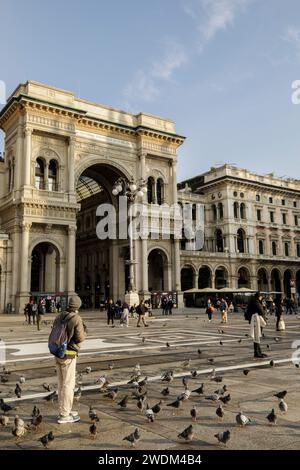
278 310
110 312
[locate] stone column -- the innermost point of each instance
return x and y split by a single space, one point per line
71 259
196 279
145 286
27 157
23 268
174 181
177 264
71 164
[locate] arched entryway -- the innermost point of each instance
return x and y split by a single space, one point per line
262 280
244 278
221 277
187 276
102 265
275 281
287 277
205 277
45 268
157 271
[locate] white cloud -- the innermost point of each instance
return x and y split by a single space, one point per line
213 16
145 84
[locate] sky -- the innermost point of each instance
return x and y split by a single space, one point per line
222 69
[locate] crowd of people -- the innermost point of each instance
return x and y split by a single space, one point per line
34 311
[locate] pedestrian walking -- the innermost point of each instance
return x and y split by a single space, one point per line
34 310
224 310
164 305
280 325
170 306
41 310
209 310
141 311
110 313
125 315
29 311
71 324
132 311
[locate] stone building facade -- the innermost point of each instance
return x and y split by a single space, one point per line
252 232
63 156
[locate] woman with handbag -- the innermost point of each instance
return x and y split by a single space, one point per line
280 325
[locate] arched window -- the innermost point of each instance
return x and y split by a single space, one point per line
52 176
274 248
220 210
150 190
219 241
39 174
243 211
160 191
214 209
261 247
236 210
241 240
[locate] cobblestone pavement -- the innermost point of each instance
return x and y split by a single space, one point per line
115 351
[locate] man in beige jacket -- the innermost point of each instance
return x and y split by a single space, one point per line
66 367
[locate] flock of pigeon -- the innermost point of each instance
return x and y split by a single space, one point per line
136 392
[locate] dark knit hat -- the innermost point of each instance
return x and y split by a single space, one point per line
75 302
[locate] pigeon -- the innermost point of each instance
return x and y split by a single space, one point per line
187 434
175 404
199 352
185 381
239 341
272 363
199 390
79 379
47 387
18 391
280 395
88 369
269 347
193 413
220 412
5 407
211 360
165 392
194 373
102 381
225 399
297 365
184 395
272 417
223 437
22 379
276 340
51 397
133 438
168 345
20 429
187 363
246 371
156 408
217 379
242 420
141 403
213 397
149 415
3 379
143 382
167 376
143 339
46 439
123 402
221 391
110 366
4 420
93 431
221 343
139 396
77 394
36 421
112 394
283 406
93 415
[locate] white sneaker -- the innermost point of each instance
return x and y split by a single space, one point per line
72 413
68 419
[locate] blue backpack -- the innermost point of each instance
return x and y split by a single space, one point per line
58 338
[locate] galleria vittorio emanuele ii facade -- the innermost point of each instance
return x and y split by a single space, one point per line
62 159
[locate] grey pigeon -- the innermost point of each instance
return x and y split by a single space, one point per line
223 437
242 420
187 434
272 417
199 390
283 406
133 438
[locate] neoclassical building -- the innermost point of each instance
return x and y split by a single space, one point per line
252 232
63 156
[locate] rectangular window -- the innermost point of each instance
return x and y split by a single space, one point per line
295 203
272 217
284 219
296 217
257 197
283 202
270 200
258 215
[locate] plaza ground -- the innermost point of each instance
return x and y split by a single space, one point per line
186 331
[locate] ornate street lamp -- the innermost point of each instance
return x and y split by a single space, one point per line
131 190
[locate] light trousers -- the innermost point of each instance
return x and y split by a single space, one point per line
66 370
